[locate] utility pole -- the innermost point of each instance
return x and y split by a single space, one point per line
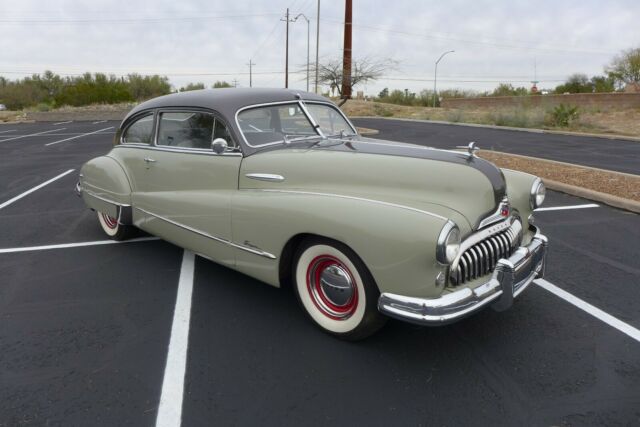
317 44
308 27
346 55
251 64
235 82
286 54
435 77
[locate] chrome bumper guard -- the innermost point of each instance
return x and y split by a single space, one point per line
509 279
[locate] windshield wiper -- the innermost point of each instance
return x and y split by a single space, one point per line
288 140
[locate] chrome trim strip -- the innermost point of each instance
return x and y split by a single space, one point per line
252 250
265 177
342 196
496 216
199 151
104 199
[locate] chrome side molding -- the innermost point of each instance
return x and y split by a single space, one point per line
269 177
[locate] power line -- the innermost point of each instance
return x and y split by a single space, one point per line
133 20
468 41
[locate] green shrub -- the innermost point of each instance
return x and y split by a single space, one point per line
564 115
43 107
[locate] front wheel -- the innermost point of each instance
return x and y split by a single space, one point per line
113 228
336 289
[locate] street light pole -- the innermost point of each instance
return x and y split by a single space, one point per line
435 76
308 32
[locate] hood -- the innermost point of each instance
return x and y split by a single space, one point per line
451 184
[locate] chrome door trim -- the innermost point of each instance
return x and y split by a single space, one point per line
253 250
270 177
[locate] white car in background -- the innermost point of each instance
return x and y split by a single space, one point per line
3 107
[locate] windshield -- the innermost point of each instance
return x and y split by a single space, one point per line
278 123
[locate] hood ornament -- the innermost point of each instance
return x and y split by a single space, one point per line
471 149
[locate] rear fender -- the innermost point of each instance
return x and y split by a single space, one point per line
105 187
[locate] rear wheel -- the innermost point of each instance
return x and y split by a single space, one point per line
113 229
336 289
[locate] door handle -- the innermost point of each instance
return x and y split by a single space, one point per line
149 160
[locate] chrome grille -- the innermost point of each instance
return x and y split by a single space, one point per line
481 258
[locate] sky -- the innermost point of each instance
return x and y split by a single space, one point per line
204 41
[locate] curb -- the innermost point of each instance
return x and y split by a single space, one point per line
608 199
477 125
367 131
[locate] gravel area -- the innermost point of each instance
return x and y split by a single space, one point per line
614 183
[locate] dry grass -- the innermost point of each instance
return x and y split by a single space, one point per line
11 116
622 122
616 184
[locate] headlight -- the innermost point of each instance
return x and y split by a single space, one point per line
538 191
448 243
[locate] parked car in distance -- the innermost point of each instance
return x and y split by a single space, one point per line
3 107
278 184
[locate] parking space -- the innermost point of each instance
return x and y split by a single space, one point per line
85 331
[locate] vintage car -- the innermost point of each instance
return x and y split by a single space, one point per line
278 184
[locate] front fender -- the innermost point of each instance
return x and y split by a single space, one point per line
105 187
396 244
519 191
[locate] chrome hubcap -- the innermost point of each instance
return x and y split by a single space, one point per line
336 285
332 287
109 221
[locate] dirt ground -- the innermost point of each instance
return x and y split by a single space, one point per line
615 122
616 184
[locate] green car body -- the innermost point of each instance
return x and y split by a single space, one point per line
248 208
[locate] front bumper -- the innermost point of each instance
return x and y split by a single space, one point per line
509 279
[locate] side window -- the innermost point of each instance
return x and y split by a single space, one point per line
221 131
140 132
186 130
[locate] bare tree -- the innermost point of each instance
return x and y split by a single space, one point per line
363 70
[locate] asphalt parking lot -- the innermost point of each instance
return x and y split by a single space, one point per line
618 155
88 329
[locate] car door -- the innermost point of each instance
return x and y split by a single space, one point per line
185 188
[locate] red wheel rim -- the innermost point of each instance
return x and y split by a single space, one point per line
317 286
109 221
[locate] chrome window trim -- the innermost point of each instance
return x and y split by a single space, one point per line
252 250
134 120
180 150
300 103
342 196
216 117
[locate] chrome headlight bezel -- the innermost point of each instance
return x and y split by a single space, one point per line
448 245
537 194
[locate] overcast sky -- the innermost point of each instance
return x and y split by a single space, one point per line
204 41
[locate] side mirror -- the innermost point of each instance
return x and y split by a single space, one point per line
219 145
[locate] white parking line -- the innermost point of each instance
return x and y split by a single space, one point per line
79 136
6 131
594 311
99 121
170 409
561 208
37 187
74 245
62 123
33 134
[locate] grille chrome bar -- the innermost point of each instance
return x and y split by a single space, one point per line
480 257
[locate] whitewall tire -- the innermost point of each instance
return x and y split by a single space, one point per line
336 289
112 228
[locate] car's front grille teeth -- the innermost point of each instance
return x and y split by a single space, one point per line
481 258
